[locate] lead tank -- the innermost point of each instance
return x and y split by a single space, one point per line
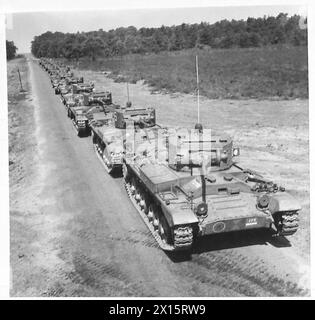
186 184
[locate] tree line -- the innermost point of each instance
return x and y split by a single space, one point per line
11 49
253 32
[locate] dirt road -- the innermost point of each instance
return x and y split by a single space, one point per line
75 233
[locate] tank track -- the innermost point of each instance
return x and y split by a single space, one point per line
287 223
183 235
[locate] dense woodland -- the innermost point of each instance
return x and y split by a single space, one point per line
254 32
11 49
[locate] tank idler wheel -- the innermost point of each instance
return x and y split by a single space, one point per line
156 217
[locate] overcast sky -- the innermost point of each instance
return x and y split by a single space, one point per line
22 27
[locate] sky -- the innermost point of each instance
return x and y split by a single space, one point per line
22 27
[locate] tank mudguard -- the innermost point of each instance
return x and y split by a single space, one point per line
283 201
182 217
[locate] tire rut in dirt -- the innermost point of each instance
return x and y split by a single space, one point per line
138 237
133 236
95 272
105 278
249 277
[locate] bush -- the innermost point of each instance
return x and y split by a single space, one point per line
276 71
11 49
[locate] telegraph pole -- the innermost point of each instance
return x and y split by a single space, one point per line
21 89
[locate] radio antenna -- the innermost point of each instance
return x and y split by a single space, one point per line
128 104
197 73
127 91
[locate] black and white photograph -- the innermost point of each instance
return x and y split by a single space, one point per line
158 152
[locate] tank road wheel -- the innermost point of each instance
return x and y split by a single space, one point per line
138 195
156 217
142 202
146 204
164 231
150 213
132 186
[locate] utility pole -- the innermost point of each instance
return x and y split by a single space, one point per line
21 89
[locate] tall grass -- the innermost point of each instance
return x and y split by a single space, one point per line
268 72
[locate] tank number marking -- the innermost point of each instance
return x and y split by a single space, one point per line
251 222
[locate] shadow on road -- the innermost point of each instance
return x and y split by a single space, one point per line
231 240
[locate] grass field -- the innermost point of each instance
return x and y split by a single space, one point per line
279 72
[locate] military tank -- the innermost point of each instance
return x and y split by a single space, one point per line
62 88
70 100
77 114
88 99
52 71
190 186
109 132
71 92
75 80
83 87
55 81
83 108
